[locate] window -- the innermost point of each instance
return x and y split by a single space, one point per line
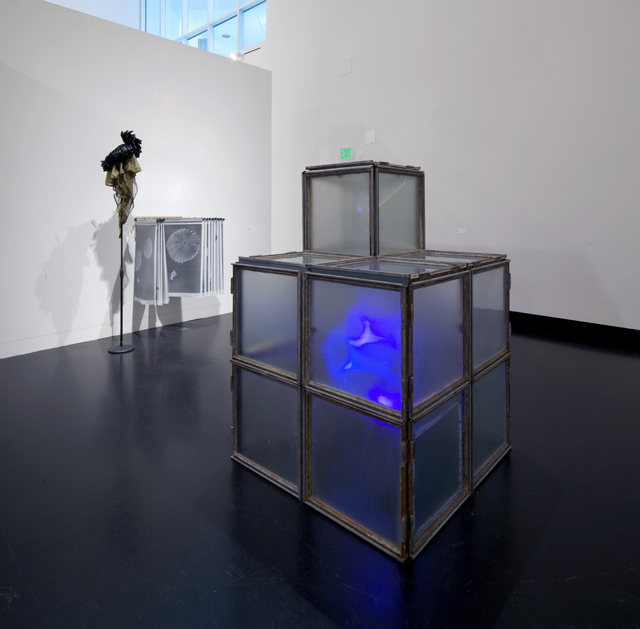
219 26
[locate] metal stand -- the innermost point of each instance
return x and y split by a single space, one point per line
121 349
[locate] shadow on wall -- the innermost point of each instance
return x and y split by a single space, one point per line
106 247
59 282
157 316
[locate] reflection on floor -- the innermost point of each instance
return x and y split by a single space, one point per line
120 507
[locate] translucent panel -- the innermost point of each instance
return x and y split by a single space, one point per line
183 243
173 19
447 259
254 29
489 415
268 318
437 338
268 424
399 203
356 341
339 213
305 259
355 467
198 41
395 267
145 263
152 16
220 7
196 14
438 464
225 37
489 331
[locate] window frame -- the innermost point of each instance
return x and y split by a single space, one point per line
239 11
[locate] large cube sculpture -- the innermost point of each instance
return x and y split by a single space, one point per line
375 388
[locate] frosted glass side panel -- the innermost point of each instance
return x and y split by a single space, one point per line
488 315
339 213
268 318
437 338
356 341
399 203
355 467
267 424
489 415
438 461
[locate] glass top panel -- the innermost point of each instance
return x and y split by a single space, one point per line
306 259
447 259
394 267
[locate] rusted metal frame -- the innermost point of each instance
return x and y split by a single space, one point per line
356 528
491 464
443 397
468 372
302 335
235 311
485 258
265 370
476 479
406 505
367 162
265 473
234 411
409 172
374 214
420 544
417 544
341 261
260 369
303 464
238 456
497 257
306 204
396 169
422 212
307 199
437 399
480 370
408 473
316 274
282 257
438 279
490 365
360 163
406 351
306 418
355 403
395 257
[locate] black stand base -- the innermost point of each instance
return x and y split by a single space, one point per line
121 349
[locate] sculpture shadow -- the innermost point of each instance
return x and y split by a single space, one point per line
59 282
106 248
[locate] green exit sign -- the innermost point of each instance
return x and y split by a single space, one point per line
347 152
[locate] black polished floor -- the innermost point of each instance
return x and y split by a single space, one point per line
120 507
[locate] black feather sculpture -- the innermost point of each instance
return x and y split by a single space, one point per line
132 146
121 166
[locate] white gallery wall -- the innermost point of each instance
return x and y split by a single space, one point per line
525 117
126 12
70 84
